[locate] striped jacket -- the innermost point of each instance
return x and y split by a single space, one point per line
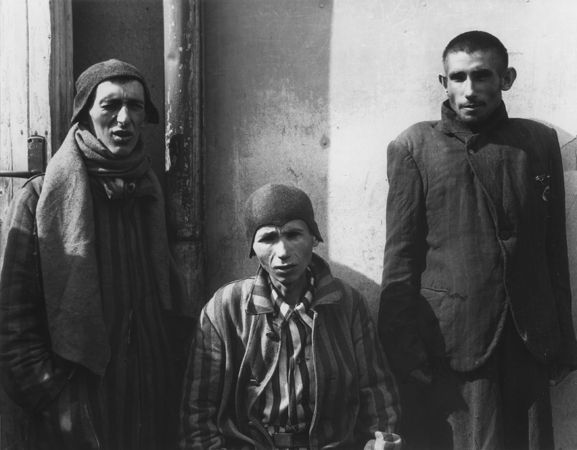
237 349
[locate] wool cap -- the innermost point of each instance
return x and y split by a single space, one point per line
277 204
102 71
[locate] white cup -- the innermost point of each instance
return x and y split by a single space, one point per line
387 441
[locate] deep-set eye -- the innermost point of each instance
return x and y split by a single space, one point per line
293 234
110 105
458 77
482 75
137 106
266 238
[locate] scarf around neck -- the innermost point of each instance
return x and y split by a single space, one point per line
101 162
67 243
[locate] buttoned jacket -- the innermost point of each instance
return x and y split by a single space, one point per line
475 228
236 352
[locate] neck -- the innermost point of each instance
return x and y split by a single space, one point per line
491 121
293 292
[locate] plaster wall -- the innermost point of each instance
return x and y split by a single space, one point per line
310 93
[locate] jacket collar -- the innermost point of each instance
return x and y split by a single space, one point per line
327 290
449 124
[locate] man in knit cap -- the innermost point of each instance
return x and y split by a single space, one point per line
288 358
90 302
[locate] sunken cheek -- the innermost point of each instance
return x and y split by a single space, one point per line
104 119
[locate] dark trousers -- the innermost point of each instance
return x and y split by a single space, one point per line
504 405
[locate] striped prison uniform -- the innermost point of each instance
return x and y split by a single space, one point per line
236 354
287 403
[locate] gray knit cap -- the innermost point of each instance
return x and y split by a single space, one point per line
105 70
277 204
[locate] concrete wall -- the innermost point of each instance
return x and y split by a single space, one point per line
130 30
310 92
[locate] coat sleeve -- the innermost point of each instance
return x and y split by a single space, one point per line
203 382
403 262
558 259
31 375
379 399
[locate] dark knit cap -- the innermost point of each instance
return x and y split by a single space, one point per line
277 204
102 71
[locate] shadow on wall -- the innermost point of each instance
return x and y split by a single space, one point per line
369 288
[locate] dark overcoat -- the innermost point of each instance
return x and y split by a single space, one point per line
475 228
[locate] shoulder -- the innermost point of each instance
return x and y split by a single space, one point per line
350 298
536 137
414 137
350 293
21 213
533 130
416 130
34 184
27 196
531 127
226 313
230 299
327 285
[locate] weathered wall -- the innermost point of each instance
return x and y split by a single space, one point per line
310 92
266 114
130 30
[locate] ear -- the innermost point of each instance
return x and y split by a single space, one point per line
315 242
443 81
508 78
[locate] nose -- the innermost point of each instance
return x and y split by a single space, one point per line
123 116
281 249
468 87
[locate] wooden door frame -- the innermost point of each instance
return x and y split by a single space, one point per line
36 88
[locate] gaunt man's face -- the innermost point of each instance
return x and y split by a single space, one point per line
118 114
474 81
284 252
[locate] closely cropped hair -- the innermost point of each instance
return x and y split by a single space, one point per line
472 41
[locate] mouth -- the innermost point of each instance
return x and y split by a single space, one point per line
122 136
286 268
471 106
